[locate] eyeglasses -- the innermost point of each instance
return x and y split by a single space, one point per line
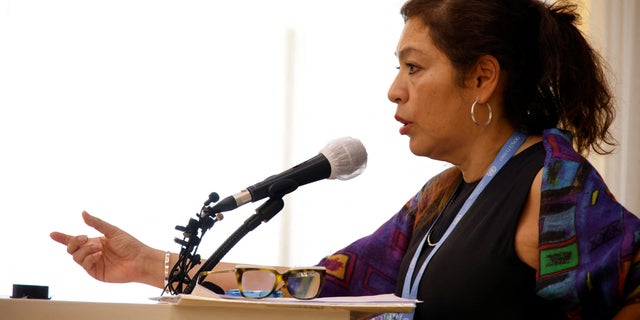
262 282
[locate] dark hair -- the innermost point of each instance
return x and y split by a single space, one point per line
554 77
435 195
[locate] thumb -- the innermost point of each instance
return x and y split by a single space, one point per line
104 227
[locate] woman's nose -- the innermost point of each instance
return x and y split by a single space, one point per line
396 93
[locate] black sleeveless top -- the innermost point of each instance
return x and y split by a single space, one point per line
476 273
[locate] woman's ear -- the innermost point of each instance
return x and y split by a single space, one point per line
485 76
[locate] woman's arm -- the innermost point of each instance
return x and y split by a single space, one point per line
118 257
629 312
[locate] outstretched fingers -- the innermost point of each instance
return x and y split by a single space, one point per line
73 243
104 227
60 237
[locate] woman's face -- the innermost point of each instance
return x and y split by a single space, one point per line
431 105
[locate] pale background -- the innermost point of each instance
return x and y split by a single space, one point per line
136 110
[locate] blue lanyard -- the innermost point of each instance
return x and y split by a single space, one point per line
507 151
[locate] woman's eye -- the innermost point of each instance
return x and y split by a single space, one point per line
412 68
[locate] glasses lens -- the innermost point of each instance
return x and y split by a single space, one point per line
258 282
304 284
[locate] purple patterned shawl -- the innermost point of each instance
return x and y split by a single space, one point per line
589 244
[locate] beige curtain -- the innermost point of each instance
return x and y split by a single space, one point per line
614 28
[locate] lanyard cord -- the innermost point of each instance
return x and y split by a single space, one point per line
507 151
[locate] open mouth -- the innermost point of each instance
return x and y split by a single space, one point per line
406 125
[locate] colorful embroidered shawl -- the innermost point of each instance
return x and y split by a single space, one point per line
589 244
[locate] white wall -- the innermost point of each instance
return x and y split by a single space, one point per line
136 110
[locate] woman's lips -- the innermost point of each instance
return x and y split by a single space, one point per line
406 125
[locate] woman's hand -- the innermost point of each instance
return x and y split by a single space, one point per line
116 256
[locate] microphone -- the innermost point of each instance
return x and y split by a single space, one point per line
342 159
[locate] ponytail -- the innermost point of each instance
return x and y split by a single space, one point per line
573 79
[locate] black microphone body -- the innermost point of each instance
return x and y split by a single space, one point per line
341 159
314 169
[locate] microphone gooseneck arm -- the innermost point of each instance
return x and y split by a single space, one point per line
270 208
264 213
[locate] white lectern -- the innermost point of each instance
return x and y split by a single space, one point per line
195 308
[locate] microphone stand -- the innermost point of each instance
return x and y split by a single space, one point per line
189 258
264 213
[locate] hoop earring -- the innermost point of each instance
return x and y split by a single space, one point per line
473 116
